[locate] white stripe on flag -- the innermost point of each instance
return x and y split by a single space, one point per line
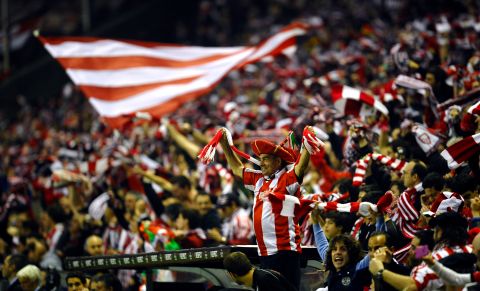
273 42
351 93
131 76
114 48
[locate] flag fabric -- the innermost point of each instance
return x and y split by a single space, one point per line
123 77
423 87
461 151
351 101
474 109
388 93
412 83
98 206
425 139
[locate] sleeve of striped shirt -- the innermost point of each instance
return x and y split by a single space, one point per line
292 183
363 264
320 241
424 276
449 276
407 209
250 178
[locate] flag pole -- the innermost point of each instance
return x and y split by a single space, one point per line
6 37
86 17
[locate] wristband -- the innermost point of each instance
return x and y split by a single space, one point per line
379 274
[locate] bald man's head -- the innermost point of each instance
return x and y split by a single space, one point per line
94 245
476 243
476 247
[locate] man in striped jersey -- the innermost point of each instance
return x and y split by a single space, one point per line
278 236
406 216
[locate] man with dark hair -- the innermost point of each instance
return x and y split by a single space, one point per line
209 218
434 197
11 265
406 215
237 227
244 273
381 246
76 281
105 282
433 184
187 229
183 190
335 223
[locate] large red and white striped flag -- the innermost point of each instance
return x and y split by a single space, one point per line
351 101
123 77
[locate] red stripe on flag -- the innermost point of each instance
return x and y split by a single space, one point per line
124 62
119 93
88 39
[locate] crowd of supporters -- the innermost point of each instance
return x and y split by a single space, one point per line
72 186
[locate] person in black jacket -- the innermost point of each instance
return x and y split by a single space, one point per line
11 266
244 273
345 264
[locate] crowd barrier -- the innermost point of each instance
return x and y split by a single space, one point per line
206 264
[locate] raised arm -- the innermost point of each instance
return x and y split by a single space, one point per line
233 160
301 166
320 239
183 142
164 183
399 282
447 275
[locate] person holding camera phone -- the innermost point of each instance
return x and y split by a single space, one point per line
380 246
451 249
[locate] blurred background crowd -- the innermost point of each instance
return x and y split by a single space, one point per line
71 186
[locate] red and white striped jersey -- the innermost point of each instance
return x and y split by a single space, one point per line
406 216
238 229
54 235
425 278
273 232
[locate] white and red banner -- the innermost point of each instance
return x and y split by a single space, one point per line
123 77
474 109
427 141
461 151
351 101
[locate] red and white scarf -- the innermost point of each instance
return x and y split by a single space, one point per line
310 141
362 165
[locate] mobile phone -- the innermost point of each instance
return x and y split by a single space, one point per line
421 251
